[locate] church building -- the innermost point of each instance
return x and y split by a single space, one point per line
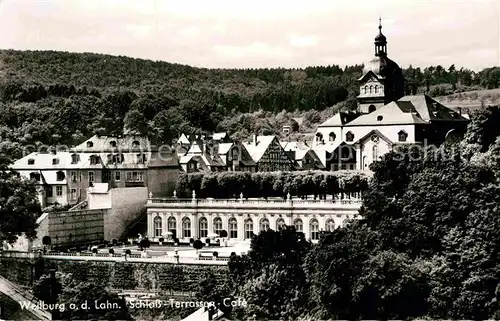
385 118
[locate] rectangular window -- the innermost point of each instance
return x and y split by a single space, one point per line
118 176
73 193
129 176
91 177
73 176
49 191
59 190
140 177
81 176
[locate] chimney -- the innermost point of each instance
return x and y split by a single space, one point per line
459 109
255 140
305 142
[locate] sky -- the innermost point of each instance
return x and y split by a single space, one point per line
260 33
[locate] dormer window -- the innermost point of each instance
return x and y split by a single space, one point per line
349 137
234 153
379 118
319 137
55 161
141 158
331 137
112 143
60 176
136 144
402 136
75 158
90 144
31 161
94 159
118 158
35 176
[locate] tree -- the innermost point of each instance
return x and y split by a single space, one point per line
144 243
198 245
19 207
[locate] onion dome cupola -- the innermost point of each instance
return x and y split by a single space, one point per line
380 41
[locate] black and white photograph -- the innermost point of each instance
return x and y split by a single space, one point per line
199 160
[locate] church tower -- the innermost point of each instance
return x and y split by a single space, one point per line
382 80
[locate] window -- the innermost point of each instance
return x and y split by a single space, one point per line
58 190
73 176
49 191
402 136
375 153
81 176
331 137
264 224
73 193
172 225
330 225
90 144
217 225
186 227
135 177
55 161
314 228
117 159
376 89
280 223
372 108
118 176
91 177
112 143
234 153
60 176
203 227
379 118
371 89
94 159
35 176
135 144
298 225
75 158
319 137
349 137
233 228
31 161
141 159
248 228
157 226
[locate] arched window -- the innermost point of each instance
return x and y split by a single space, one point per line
379 118
75 158
235 153
186 227
157 226
349 136
299 226
135 144
203 227
314 229
248 228
345 222
90 144
217 225
112 143
172 226
55 161
330 225
366 90
264 224
331 137
233 228
375 153
402 136
280 223
371 89
376 89
372 108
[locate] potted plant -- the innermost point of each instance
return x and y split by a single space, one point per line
160 240
198 245
207 241
215 254
111 252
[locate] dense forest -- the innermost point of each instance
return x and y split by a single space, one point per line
49 97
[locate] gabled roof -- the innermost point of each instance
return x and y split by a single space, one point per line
294 146
103 143
394 113
257 151
183 139
224 148
195 149
375 132
219 136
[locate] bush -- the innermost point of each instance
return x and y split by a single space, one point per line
223 233
176 240
161 239
233 254
128 252
111 251
191 240
114 241
198 244
215 254
94 250
208 242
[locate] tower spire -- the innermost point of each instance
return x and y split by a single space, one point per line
380 41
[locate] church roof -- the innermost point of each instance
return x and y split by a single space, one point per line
339 119
394 113
257 151
430 109
381 66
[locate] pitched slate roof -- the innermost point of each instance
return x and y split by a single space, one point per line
103 143
430 109
224 148
339 119
394 113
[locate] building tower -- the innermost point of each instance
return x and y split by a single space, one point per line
382 80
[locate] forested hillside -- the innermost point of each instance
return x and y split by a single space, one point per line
49 97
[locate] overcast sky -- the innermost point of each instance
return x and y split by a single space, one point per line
259 33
